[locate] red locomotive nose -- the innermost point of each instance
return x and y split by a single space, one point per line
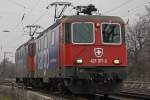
91 55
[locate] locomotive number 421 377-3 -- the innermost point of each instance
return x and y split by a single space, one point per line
100 61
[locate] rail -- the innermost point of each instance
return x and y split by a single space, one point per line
134 89
130 89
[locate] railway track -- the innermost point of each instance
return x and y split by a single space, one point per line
134 90
131 90
142 93
6 81
37 94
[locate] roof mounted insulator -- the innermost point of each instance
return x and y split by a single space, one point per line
85 9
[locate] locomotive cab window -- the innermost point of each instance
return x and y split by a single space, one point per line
83 33
111 33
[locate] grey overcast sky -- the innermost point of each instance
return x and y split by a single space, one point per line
35 12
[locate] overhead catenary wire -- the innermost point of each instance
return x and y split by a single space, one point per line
15 27
33 24
14 40
46 11
133 10
13 30
136 7
43 14
23 16
119 6
11 42
23 6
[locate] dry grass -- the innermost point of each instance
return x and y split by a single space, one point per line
6 93
4 97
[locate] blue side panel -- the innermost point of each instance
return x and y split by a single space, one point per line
53 52
47 58
38 60
53 57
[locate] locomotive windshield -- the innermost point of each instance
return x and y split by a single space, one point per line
82 33
111 33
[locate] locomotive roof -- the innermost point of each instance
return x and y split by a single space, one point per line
91 18
24 44
67 19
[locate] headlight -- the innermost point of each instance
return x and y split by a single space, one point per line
79 61
117 61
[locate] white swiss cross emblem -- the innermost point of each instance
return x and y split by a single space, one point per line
98 52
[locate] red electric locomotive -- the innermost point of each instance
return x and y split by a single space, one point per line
83 53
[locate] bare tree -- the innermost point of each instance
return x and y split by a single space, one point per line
138 41
7 70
